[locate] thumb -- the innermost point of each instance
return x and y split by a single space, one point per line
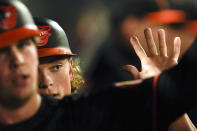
132 70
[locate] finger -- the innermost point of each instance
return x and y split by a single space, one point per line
132 70
150 42
137 47
162 42
177 48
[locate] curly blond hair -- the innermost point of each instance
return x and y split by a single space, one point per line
78 79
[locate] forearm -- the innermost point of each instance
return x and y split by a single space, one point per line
183 123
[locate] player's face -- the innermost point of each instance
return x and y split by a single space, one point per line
55 77
18 73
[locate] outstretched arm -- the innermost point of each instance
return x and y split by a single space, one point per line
174 87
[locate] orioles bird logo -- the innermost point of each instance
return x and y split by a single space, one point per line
8 16
44 35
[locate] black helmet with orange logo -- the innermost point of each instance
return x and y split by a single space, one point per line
53 39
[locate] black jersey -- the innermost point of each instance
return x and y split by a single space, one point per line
114 109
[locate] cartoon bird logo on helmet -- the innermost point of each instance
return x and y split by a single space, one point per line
44 35
9 16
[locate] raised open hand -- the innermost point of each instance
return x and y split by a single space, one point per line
158 60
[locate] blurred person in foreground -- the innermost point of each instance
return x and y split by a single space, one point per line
59 74
22 108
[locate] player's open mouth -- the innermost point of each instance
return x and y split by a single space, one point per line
55 95
21 80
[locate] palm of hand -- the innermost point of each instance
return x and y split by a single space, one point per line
157 62
155 65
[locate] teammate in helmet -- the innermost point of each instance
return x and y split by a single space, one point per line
59 74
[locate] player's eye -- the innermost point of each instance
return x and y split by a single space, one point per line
56 67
